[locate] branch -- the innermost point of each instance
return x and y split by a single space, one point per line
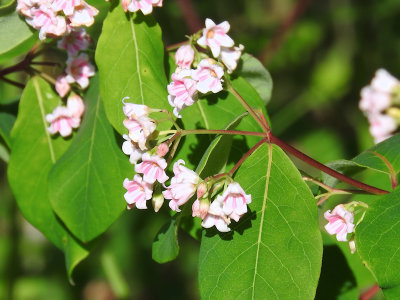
190 15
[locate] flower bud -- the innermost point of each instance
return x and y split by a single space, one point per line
201 190
162 149
158 198
352 245
204 206
184 56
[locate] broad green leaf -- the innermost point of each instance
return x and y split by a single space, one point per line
165 246
275 250
255 73
6 123
33 154
4 153
136 67
378 244
86 182
14 32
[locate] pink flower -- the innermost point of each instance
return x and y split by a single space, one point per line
231 56
131 148
200 208
29 7
235 201
208 74
138 192
340 222
62 85
373 102
74 42
79 69
76 106
183 185
152 168
216 217
83 15
182 91
47 22
384 82
381 126
67 6
140 129
184 56
215 37
134 111
61 120
146 6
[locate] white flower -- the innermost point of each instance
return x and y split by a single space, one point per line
209 76
131 148
231 56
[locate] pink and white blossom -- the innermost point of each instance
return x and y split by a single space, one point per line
183 185
182 91
341 222
75 41
134 111
131 148
62 121
381 127
140 129
184 56
216 217
234 201
384 82
29 7
231 56
47 22
215 37
138 192
79 69
152 168
76 106
146 6
83 15
200 208
373 102
208 74
67 6
62 86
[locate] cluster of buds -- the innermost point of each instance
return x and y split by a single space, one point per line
146 6
54 18
380 101
341 221
151 177
207 75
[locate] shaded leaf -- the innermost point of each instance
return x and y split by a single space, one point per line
6 123
33 154
86 182
165 246
274 251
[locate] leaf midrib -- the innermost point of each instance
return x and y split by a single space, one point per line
137 58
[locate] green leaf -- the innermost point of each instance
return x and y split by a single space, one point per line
165 246
6 123
136 67
378 244
86 182
255 73
15 36
274 251
33 154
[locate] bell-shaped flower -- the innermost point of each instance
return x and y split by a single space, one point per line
29 7
183 185
47 22
140 129
83 15
62 86
75 106
152 168
200 208
341 222
231 56
216 217
234 201
208 74
131 148
182 91
79 69
138 192
146 6
75 41
184 56
384 82
381 126
215 37
62 120
134 111
373 102
67 6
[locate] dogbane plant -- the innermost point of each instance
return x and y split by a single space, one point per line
134 142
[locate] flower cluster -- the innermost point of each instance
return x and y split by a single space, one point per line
146 6
379 102
207 76
54 18
150 176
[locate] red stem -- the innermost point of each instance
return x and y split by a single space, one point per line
325 169
190 15
367 295
231 132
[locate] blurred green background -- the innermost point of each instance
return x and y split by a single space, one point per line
319 53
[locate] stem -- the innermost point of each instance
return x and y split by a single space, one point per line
17 84
190 15
45 76
325 169
254 148
370 292
176 46
165 132
228 132
247 107
170 117
393 176
173 150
